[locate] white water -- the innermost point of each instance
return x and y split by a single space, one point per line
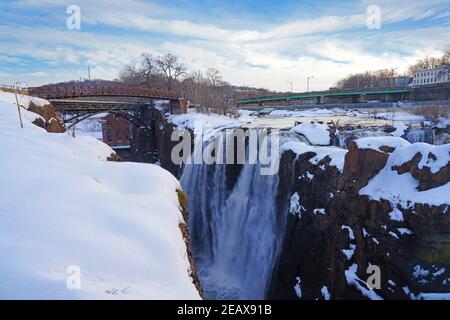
235 233
420 135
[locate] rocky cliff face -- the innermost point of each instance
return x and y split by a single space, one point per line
334 231
48 119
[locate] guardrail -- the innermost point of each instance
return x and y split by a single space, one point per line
12 89
73 91
316 94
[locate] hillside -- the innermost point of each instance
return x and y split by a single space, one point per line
64 209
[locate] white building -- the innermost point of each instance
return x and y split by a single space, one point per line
432 76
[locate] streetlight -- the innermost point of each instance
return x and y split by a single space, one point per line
307 83
290 84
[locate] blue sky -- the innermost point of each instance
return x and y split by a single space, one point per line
260 43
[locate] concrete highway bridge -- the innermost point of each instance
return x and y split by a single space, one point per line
329 97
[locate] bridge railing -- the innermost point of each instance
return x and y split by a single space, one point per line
71 91
315 94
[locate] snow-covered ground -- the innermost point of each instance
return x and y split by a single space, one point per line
402 188
316 133
91 127
194 119
74 226
337 155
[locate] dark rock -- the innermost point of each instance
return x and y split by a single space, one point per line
313 244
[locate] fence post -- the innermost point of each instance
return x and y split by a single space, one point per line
18 105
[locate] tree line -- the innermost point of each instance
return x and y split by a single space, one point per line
384 77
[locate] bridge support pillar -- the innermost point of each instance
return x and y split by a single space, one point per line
320 100
178 106
358 98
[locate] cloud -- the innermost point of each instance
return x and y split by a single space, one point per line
39 74
261 54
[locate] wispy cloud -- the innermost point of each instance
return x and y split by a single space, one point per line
262 54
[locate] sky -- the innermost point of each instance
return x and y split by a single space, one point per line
261 43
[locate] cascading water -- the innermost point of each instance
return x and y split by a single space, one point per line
420 135
234 230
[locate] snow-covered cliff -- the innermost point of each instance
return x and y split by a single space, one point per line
75 226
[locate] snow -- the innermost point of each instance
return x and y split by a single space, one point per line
325 293
393 235
353 279
420 272
374 143
404 231
350 231
336 154
193 120
402 189
64 208
396 215
349 252
434 296
400 129
439 272
428 151
319 211
24 100
399 116
301 113
298 288
316 133
295 206
91 127
365 233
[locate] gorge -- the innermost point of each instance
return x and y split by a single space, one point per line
312 230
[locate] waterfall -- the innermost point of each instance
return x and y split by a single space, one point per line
420 135
234 229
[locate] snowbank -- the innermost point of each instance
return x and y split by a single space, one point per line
336 154
399 116
316 133
400 129
23 100
301 113
63 209
194 119
402 188
91 127
375 143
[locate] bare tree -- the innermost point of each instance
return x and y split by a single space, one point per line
131 74
171 68
213 76
368 79
149 69
206 91
428 63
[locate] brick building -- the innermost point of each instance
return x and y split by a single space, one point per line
117 133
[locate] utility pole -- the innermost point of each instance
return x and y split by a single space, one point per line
290 83
89 73
307 83
17 102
